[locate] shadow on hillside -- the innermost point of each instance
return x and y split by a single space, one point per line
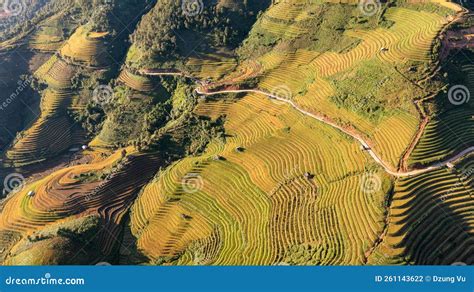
19 104
436 221
128 253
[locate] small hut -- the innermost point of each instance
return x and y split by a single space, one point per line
308 175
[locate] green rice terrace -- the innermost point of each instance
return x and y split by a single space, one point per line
237 132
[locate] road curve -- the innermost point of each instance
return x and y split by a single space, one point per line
361 141
364 144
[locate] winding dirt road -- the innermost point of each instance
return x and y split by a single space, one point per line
322 119
364 144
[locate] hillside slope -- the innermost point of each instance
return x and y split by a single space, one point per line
239 132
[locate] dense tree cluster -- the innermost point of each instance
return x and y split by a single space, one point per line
225 23
23 15
96 13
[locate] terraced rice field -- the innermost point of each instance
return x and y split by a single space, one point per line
45 138
393 136
174 225
47 39
281 188
256 206
444 137
136 82
99 143
211 65
452 130
49 34
56 73
53 131
311 77
468 69
57 196
86 47
432 219
64 196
